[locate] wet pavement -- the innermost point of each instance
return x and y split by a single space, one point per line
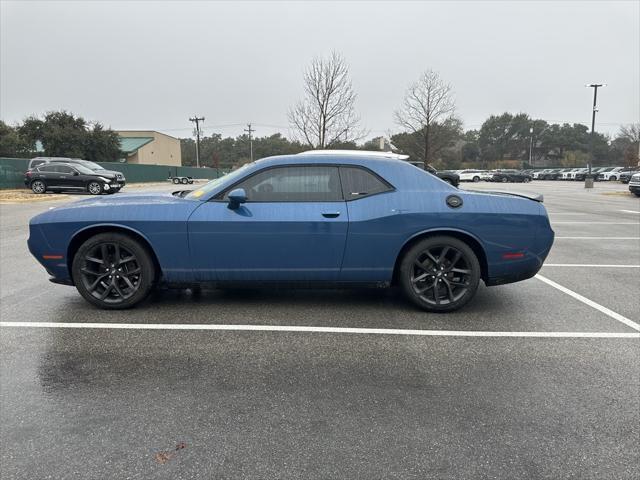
106 403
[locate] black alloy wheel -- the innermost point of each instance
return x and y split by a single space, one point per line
94 188
113 271
38 187
440 274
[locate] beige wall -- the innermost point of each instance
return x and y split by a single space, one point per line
163 150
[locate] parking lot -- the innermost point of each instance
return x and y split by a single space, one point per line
538 379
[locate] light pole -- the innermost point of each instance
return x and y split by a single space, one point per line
530 145
588 179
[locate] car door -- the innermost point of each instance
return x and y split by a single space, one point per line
292 227
67 177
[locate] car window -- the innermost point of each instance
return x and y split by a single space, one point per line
359 182
64 169
35 163
47 168
293 184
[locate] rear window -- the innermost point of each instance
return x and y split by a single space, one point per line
360 182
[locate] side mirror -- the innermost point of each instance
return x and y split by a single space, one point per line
236 197
75 173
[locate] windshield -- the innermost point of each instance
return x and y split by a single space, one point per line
84 170
213 184
91 165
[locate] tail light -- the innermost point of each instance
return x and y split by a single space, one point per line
28 173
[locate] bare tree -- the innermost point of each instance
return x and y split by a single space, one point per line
631 132
428 101
326 115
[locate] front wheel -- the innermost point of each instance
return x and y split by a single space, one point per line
176 181
94 188
526 180
38 187
113 271
613 179
184 181
504 180
440 274
476 179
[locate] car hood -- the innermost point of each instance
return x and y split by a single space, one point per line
107 173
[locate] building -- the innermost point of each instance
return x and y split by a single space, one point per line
148 147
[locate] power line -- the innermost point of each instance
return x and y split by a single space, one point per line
197 121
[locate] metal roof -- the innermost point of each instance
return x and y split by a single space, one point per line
130 145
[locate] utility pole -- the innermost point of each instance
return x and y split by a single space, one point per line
588 182
197 121
250 130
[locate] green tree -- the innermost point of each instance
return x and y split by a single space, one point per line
12 144
62 134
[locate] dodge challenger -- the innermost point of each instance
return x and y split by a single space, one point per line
302 220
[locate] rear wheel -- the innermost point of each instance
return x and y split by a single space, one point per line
38 187
94 188
526 180
476 179
440 274
176 181
113 271
504 180
184 181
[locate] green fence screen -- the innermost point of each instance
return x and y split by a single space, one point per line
12 172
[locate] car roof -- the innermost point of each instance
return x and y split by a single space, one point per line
363 153
337 157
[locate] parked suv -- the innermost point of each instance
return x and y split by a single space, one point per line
57 176
611 175
78 161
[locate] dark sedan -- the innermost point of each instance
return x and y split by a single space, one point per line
625 177
70 177
510 176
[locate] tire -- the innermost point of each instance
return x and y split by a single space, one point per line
129 269
94 188
526 180
637 194
176 181
38 187
504 180
423 260
613 178
184 181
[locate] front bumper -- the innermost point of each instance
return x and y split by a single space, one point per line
634 187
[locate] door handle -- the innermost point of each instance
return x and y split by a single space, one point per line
330 214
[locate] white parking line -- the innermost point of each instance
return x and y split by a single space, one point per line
595 223
629 211
302 329
588 265
591 303
597 238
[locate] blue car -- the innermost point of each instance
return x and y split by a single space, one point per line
317 218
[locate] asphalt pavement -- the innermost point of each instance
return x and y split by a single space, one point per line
534 380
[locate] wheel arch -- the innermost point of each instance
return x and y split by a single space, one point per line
84 234
471 240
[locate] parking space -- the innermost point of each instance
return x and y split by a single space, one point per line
336 401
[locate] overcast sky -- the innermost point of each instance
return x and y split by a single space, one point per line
150 65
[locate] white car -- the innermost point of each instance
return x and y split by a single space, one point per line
568 174
472 175
612 175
